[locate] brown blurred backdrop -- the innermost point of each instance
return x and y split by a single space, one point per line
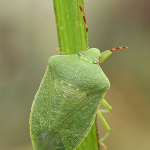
28 38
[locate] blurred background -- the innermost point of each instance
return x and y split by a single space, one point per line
28 38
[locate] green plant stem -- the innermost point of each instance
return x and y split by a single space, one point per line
71 29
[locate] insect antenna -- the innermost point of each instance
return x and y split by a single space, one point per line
84 22
104 55
118 48
84 18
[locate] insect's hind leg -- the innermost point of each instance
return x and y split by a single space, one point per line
109 109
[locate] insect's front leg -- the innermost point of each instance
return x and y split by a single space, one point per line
58 50
109 109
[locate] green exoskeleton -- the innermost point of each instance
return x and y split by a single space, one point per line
68 99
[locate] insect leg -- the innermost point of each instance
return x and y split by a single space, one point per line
58 50
109 109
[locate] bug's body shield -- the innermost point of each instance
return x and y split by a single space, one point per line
75 90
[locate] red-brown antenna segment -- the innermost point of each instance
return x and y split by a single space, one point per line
83 17
118 48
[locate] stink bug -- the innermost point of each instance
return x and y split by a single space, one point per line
68 99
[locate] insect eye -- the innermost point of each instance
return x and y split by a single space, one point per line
97 62
81 52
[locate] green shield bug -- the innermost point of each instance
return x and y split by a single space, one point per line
68 99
